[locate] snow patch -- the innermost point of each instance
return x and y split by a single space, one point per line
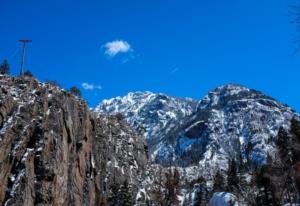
223 199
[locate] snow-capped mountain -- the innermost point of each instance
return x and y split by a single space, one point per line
153 115
231 121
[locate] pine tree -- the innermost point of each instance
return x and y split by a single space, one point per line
103 201
219 182
266 195
126 195
74 90
295 127
242 189
172 187
158 190
248 150
200 195
232 176
114 198
4 67
283 145
28 73
295 132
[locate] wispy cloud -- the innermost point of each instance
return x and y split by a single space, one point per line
115 47
88 86
176 69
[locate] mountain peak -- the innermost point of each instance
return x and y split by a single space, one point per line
233 88
226 94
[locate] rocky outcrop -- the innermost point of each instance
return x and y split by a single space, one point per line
54 151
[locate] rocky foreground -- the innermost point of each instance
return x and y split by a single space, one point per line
54 151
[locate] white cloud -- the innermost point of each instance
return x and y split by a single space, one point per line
88 86
115 47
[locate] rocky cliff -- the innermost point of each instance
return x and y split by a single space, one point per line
54 151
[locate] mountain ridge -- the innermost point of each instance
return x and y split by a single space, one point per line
224 108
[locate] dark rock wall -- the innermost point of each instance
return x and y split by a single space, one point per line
54 151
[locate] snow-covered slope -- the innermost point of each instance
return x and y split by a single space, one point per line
231 121
153 115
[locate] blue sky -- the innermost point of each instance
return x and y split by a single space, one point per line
180 47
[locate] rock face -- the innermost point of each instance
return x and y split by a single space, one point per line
54 151
120 156
231 121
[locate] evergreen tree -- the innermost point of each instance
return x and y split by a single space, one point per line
172 187
114 198
266 195
126 195
248 150
28 73
158 190
52 83
283 145
242 187
295 127
200 195
295 132
4 67
232 176
74 90
103 202
219 182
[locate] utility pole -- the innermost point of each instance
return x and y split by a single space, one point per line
23 54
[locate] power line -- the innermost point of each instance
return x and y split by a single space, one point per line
13 54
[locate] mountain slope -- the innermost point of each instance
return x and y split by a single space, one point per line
153 115
231 121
